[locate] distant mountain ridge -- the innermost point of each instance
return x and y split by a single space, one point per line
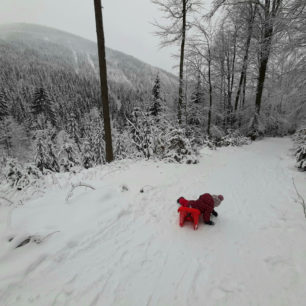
81 54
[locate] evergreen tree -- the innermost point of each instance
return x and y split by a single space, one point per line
178 148
69 156
94 134
41 154
42 104
52 158
3 105
155 109
40 99
6 134
88 160
45 151
73 129
18 110
140 129
119 148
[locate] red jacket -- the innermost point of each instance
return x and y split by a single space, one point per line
205 204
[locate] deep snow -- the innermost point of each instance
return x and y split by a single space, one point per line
110 246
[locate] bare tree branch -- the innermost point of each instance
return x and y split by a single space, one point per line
73 187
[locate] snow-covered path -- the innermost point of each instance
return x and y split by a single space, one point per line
113 247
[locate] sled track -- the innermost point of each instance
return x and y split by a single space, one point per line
126 248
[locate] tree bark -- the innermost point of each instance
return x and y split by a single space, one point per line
263 64
210 93
181 80
103 79
246 55
271 10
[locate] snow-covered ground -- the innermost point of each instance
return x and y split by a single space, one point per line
112 246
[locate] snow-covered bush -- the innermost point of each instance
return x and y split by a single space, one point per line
94 134
300 137
178 148
276 125
123 146
233 138
46 151
216 132
256 128
301 157
300 151
20 176
140 129
209 142
87 159
68 155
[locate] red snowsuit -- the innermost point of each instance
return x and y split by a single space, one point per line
205 204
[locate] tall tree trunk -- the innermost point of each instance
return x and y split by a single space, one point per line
181 80
233 77
229 93
263 64
210 93
246 55
269 15
103 79
243 91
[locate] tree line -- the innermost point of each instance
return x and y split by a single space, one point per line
241 76
245 61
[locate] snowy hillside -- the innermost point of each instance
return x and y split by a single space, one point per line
48 46
116 245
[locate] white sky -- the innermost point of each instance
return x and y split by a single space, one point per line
127 24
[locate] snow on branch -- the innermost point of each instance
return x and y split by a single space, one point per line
7 200
302 201
74 186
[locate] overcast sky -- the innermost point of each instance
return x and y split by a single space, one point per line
127 23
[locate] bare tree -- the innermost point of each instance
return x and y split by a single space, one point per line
200 49
176 12
268 12
103 79
251 13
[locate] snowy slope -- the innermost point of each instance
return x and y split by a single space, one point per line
34 44
112 246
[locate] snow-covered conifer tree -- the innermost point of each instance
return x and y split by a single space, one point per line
178 148
68 156
155 108
140 129
73 129
41 153
94 134
42 104
88 160
4 112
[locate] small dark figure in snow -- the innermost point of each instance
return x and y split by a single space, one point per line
206 204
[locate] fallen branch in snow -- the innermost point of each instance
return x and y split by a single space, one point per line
9 201
74 186
301 198
33 238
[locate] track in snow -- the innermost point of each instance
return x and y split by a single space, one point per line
127 248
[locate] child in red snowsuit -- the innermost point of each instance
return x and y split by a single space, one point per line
205 204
